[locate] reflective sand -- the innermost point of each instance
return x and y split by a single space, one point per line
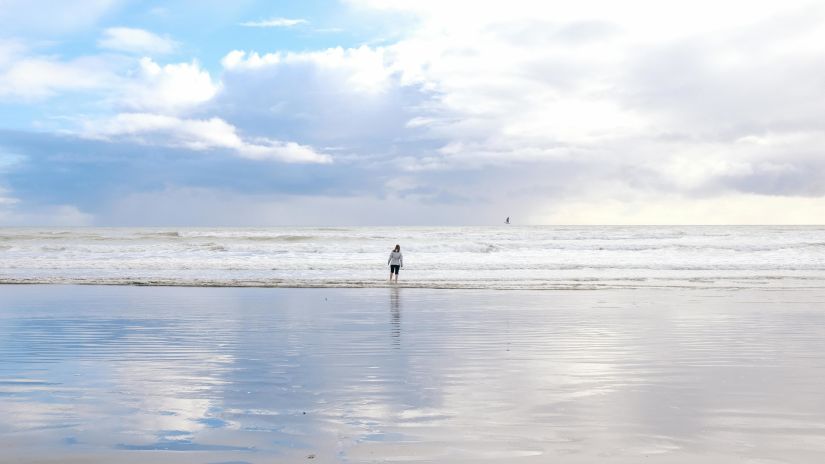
229 375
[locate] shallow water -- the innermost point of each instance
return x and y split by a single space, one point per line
511 257
219 375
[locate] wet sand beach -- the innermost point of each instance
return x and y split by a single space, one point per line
102 374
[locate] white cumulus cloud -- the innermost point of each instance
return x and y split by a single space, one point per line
363 69
167 88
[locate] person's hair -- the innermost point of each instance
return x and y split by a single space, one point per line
397 248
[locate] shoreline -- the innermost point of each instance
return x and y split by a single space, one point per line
542 258
424 286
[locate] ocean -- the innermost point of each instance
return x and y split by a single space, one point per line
496 257
700 344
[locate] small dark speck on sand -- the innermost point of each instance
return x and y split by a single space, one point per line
311 456
304 413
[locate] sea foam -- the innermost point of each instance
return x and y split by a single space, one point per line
435 257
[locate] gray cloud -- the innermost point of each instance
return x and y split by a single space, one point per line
543 113
314 105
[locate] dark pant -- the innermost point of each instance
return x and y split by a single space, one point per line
394 269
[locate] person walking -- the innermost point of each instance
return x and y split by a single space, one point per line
396 262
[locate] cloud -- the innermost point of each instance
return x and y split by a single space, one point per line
698 103
201 206
364 69
562 112
96 173
345 98
5 199
788 164
199 135
167 88
39 77
674 209
15 212
138 41
52 17
10 49
564 100
275 22
117 82
50 216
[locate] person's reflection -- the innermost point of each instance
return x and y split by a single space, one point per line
395 317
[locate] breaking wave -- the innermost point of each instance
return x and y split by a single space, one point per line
435 257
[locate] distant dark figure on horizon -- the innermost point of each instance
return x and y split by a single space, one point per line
507 221
396 262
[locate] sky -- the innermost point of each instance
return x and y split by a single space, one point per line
424 112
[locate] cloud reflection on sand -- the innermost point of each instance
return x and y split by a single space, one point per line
111 373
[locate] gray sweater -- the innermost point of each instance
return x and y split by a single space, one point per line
396 259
